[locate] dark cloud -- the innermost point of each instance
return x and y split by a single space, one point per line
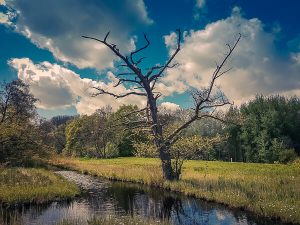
57 25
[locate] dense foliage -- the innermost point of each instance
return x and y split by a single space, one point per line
266 130
104 134
19 137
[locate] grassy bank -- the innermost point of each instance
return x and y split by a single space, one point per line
270 190
20 185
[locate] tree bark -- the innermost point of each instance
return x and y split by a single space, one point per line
166 165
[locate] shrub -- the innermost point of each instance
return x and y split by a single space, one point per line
287 155
147 150
111 150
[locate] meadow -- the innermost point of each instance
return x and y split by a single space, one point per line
269 190
32 185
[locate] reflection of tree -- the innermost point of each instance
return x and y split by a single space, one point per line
127 198
124 195
15 214
253 219
170 205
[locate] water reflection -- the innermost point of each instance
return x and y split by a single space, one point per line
101 197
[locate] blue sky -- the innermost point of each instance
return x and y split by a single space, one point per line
41 44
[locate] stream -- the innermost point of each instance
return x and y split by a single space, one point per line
101 197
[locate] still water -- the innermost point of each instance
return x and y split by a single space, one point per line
101 198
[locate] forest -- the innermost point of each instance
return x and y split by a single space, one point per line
263 130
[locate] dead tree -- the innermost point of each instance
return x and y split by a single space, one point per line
206 100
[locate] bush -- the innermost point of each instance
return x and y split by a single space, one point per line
287 155
281 151
111 150
147 150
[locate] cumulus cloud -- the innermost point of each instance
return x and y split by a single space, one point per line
169 106
257 67
58 25
59 87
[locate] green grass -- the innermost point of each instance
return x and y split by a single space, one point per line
113 220
20 185
270 190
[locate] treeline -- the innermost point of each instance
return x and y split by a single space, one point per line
266 130
104 134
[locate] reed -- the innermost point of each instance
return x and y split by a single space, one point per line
270 190
31 185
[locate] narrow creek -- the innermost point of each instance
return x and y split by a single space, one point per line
101 197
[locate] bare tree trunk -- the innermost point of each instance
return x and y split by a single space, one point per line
165 157
163 149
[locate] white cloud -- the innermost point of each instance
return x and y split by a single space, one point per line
4 18
168 107
257 68
296 57
58 87
200 3
58 25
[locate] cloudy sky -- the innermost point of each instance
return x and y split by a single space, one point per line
41 44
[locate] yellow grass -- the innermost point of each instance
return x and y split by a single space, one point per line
20 185
271 190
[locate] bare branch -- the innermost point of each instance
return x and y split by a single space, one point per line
140 60
138 50
182 127
115 50
171 58
106 36
136 111
222 73
102 91
152 69
216 75
126 80
203 99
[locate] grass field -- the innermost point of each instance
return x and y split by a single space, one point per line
271 190
20 185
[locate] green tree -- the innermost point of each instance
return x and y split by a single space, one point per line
20 139
127 134
263 123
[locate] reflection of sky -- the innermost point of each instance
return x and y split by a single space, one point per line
102 198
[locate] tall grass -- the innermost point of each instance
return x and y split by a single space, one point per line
271 190
20 185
